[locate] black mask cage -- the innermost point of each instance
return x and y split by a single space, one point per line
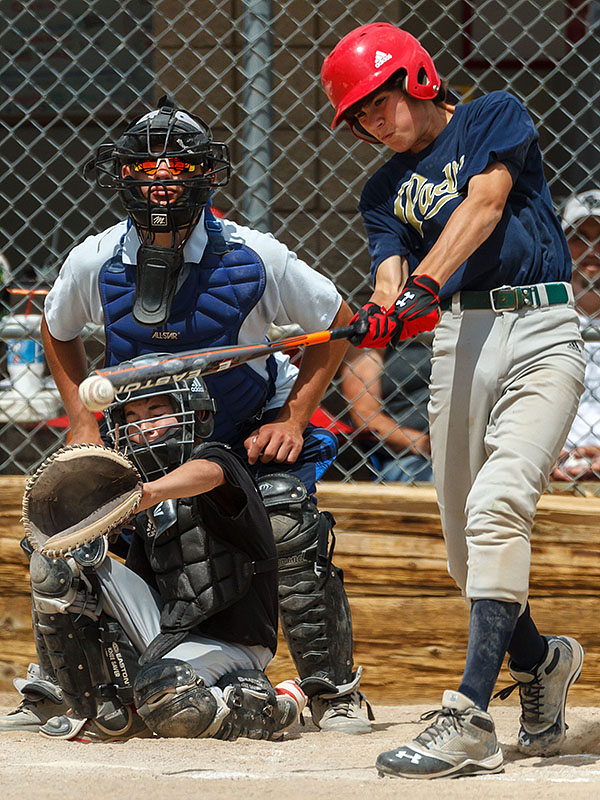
164 133
193 411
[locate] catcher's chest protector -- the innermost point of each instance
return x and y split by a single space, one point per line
208 311
197 575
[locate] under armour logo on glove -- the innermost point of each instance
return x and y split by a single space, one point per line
417 308
405 297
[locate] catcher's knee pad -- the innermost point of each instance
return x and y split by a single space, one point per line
174 702
53 581
294 518
314 609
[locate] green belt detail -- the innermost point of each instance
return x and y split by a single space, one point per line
511 298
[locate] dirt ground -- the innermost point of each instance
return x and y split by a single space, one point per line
306 764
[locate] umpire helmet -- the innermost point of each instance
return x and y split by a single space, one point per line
192 418
166 132
365 59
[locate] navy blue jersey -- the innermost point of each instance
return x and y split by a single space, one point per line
406 204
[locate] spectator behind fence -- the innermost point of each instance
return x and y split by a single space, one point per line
581 223
387 394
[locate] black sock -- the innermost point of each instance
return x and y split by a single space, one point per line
527 648
490 630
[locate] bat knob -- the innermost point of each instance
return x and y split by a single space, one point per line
96 393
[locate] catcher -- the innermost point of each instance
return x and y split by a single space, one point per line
176 641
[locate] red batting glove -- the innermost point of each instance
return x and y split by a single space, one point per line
417 308
373 326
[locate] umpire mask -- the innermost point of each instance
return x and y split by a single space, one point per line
160 201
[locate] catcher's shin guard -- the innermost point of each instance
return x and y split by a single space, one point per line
41 696
314 609
174 702
45 670
91 657
121 658
45 665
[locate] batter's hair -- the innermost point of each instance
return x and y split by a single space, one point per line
396 81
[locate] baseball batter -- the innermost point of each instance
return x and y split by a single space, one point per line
463 239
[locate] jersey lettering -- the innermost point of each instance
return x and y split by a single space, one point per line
419 199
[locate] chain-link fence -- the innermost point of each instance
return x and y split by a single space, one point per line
73 71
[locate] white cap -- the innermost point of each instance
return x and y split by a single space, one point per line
580 207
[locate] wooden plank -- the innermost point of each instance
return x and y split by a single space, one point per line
408 655
410 623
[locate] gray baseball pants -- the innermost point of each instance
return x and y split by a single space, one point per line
504 390
136 606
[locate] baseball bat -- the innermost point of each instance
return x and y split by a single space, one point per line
98 390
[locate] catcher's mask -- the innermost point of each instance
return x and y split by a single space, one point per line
164 439
196 164
365 59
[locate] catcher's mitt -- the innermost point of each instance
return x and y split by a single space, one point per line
78 494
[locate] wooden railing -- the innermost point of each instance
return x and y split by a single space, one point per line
410 622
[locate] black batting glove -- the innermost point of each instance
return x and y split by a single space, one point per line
417 307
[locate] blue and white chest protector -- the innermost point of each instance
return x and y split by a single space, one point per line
208 310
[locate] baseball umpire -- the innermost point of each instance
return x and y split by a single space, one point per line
463 238
171 277
175 642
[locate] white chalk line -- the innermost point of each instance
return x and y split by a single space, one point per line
356 773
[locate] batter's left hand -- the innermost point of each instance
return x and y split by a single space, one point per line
276 441
373 326
417 308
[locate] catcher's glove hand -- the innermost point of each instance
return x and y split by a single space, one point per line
78 494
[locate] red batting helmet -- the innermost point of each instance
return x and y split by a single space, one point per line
366 57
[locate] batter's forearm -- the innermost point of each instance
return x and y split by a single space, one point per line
470 224
389 280
466 230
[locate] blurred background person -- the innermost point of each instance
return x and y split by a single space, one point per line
581 223
387 392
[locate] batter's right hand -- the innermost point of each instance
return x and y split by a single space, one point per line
373 327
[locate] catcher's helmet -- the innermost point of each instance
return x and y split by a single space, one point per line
167 132
193 409
364 60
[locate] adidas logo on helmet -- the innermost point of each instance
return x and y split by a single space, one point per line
381 58
198 386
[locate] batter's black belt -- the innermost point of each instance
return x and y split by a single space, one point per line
512 298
